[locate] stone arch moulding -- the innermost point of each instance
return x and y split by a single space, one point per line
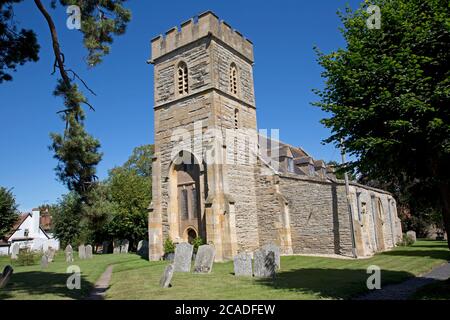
176 228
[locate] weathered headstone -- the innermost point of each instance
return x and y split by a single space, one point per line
243 265
124 246
5 276
44 261
82 252
142 248
105 247
15 251
88 254
183 257
412 235
169 257
116 245
167 276
69 253
265 264
50 254
204 259
276 251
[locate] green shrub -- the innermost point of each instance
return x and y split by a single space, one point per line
197 242
26 257
169 246
406 241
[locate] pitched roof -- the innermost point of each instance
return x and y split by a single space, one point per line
21 218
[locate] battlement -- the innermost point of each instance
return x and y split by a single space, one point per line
208 24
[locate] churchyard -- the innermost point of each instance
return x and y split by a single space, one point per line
299 277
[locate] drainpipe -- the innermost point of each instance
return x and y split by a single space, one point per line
349 204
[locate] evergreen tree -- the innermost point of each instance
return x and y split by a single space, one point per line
8 211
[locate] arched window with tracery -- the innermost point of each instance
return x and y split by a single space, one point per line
182 79
233 79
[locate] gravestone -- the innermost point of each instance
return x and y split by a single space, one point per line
124 246
5 276
69 253
44 262
243 265
15 251
265 264
276 251
204 259
116 245
142 248
69 256
167 276
105 247
169 256
50 254
183 257
82 252
88 254
412 235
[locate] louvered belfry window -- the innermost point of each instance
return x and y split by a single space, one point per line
182 77
233 79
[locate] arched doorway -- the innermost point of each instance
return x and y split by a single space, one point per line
191 235
186 199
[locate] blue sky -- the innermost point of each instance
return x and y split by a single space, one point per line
286 71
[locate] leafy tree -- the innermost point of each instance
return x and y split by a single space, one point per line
388 94
131 194
8 211
66 219
340 171
141 160
98 215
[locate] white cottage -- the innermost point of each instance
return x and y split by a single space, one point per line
28 232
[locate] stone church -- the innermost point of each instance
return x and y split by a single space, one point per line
216 177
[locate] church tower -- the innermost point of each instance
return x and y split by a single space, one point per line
203 180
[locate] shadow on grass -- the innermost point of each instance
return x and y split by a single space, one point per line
434 254
330 283
36 283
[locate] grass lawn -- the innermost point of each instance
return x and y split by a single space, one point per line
299 277
439 290
35 283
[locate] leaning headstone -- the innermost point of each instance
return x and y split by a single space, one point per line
142 248
243 265
116 245
88 254
167 277
265 264
82 252
5 276
183 257
105 247
124 246
412 235
276 251
69 253
44 262
15 251
204 259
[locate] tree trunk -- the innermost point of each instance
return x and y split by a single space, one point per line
445 197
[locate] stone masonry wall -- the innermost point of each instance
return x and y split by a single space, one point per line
318 215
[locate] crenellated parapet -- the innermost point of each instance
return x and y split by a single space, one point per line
208 24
